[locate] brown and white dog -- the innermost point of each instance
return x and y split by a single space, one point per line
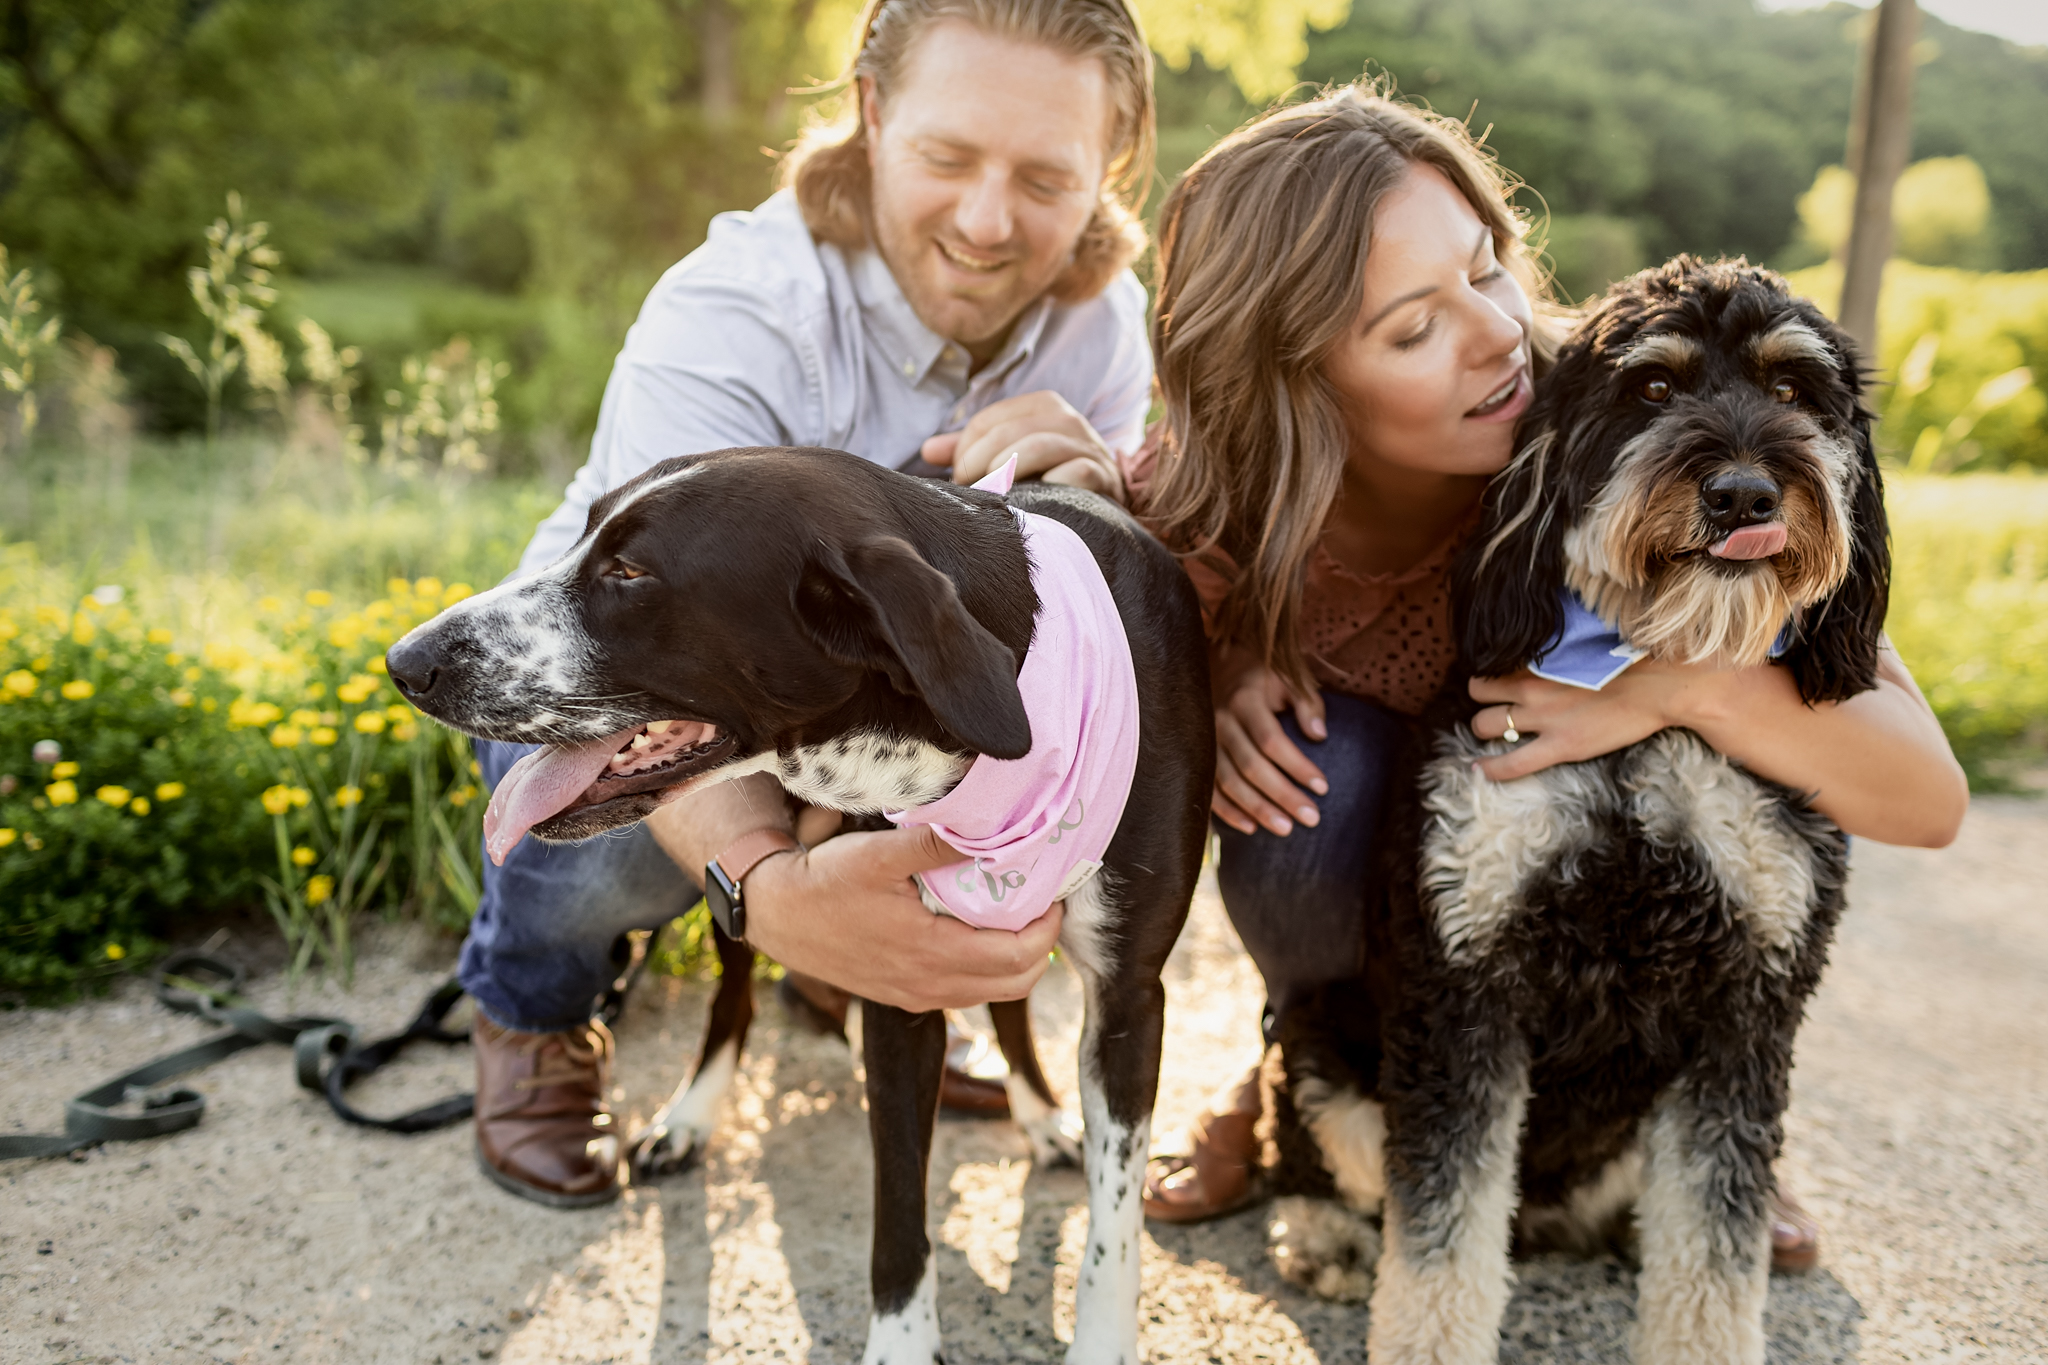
857 633
1583 986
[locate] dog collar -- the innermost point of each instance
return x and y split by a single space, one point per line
1590 654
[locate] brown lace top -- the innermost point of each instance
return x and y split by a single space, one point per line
1383 637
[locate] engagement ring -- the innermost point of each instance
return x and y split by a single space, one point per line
1511 734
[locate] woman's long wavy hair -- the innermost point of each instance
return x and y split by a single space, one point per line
1262 249
829 165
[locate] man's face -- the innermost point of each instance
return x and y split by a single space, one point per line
988 158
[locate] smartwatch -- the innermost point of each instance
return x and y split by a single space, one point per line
724 875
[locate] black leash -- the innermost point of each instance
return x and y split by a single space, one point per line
325 1055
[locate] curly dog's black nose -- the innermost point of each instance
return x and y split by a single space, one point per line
414 669
1739 496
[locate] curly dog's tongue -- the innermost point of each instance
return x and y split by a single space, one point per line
1751 542
542 784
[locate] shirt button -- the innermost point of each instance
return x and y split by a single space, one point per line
909 368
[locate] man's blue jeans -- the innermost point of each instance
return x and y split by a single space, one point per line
541 948
1298 901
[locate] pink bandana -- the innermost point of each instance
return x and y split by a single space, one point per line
1035 828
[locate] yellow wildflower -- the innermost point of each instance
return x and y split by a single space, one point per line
245 713
404 731
8 630
20 682
65 769
303 718
78 689
169 791
7 836
315 691
115 952
181 696
49 616
462 796
300 796
397 587
114 796
324 734
277 800
140 805
370 722
348 796
319 597
358 689
319 890
41 663
398 712
287 737
61 793
158 636
268 604
82 629
194 673
427 587
376 664
174 658
456 592
304 857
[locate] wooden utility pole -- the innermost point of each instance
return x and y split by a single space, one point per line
1880 135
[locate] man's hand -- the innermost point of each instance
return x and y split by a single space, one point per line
848 912
1052 441
1255 759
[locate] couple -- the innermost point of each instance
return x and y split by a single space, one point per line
1346 332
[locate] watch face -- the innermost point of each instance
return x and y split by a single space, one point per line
725 902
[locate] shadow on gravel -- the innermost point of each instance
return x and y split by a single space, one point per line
1564 1311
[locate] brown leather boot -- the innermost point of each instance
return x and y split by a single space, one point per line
544 1129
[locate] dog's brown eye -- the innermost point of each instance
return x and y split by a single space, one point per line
1657 390
1784 391
621 569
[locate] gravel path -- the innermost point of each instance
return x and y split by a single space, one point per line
274 1233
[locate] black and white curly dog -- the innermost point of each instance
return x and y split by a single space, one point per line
1576 1025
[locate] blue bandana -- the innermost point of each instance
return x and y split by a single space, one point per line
1591 654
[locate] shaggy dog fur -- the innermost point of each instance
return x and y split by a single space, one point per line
1576 1027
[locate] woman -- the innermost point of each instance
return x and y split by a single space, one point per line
1345 338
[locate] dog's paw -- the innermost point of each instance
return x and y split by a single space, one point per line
665 1147
1055 1138
1324 1247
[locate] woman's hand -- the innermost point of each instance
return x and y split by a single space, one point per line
1877 764
1255 759
1564 724
1052 441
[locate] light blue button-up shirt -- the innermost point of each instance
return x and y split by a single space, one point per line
763 336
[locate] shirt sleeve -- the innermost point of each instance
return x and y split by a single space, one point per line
1124 400
710 363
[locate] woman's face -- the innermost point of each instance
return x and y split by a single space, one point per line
1434 370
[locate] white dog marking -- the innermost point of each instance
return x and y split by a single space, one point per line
1351 1132
1442 1305
1589 1213
1324 1247
680 1128
909 1336
870 772
1686 791
1486 840
1700 1299
1055 1134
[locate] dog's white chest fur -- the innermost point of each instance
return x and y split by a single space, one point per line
1487 843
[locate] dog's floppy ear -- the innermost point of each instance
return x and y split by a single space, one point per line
1835 656
877 603
1506 585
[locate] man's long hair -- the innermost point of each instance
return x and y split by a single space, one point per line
1262 249
829 165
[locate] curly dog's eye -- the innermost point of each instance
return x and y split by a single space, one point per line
1656 390
621 569
1785 391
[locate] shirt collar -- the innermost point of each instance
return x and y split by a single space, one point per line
914 350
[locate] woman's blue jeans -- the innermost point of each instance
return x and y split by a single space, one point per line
1298 901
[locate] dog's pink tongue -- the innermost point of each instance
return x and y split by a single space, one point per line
1752 542
543 784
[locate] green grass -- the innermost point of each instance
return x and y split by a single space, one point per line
1970 613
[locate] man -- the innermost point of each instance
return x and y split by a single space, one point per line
947 278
